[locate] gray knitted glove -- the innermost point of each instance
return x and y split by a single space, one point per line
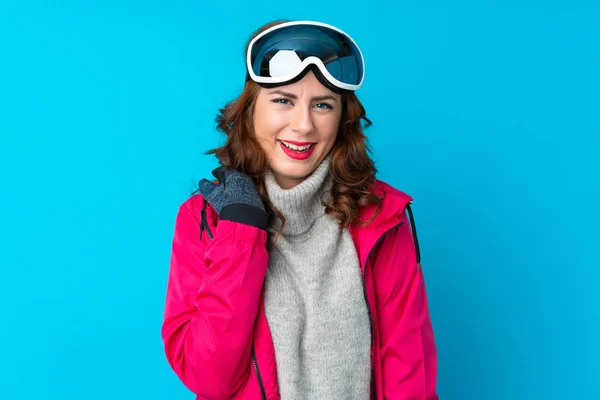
236 198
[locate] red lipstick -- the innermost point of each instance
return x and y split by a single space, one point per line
297 155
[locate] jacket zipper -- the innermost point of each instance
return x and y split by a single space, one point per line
371 323
204 222
260 382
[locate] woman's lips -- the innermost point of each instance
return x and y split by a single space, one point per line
296 155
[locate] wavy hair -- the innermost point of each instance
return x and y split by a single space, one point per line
352 169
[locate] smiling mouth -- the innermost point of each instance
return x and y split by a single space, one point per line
296 148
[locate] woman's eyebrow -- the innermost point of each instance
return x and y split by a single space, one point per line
325 97
294 97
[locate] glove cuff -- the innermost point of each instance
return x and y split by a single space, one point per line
245 214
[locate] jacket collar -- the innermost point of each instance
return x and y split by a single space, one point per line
391 210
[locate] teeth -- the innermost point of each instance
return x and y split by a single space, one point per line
296 148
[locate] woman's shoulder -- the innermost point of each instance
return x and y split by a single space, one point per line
392 196
392 206
398 203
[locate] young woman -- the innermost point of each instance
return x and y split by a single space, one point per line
297 275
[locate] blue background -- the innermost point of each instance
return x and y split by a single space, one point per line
487 112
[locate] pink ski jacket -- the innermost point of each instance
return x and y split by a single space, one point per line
215 333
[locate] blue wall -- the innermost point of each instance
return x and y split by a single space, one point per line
486 112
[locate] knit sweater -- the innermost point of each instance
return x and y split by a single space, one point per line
314 299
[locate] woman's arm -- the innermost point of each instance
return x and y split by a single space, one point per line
211 304
408 350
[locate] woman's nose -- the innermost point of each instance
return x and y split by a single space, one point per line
302 120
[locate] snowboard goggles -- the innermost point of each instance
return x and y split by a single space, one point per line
283 53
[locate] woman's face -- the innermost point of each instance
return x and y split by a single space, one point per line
299 114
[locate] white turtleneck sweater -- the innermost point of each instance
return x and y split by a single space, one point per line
314 299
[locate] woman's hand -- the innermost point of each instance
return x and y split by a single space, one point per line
236 198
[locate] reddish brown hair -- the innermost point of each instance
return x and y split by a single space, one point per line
352 169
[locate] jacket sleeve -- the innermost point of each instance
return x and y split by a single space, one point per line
211 303
408 350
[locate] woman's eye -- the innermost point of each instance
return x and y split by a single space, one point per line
281 101
324 106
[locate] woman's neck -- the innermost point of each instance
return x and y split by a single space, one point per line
303 203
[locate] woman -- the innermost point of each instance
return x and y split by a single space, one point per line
297 274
